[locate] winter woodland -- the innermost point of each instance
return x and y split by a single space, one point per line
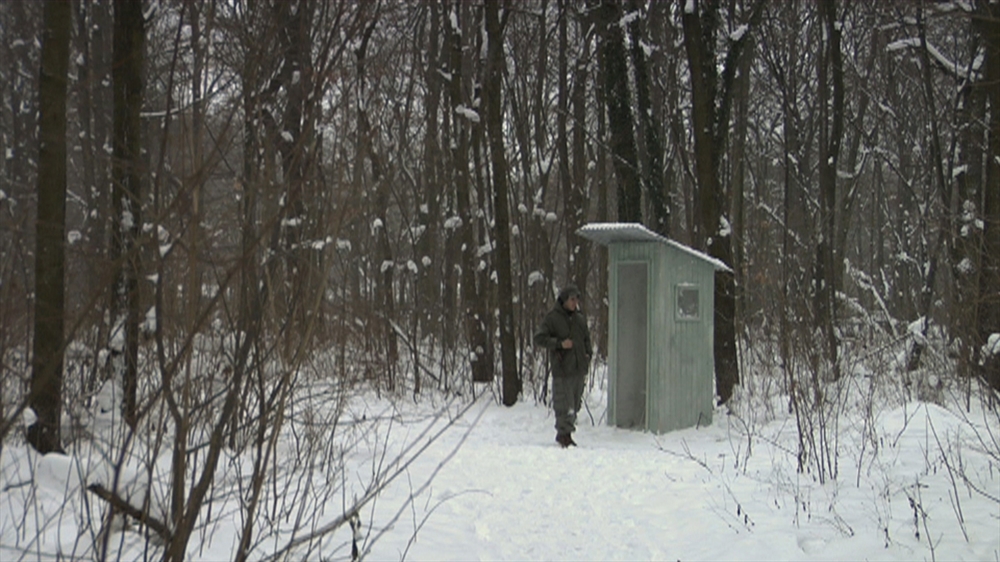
269 272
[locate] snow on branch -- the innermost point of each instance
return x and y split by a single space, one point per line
992 347
738 33
944 62
469 114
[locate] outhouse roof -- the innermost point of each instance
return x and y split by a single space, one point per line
607 233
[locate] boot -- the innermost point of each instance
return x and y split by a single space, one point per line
564 440
569 440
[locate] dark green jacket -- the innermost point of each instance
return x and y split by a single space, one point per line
561 324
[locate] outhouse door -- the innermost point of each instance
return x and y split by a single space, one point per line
633 337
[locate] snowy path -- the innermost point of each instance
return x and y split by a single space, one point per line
511 493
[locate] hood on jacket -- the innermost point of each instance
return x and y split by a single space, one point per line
567 292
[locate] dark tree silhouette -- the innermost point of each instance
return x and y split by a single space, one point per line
126 76
988 18
711 105
50 229
494 122
614 66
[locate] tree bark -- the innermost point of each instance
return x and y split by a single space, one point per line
988 18
194 237
570 203
494 121
619 107
101 228
944 207
710 119
294 146
428 294
129 37
652 169
831 107
463 123
50 228
579 188
969 176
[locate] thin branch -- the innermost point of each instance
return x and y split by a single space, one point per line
118 503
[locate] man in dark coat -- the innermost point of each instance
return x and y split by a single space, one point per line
565 334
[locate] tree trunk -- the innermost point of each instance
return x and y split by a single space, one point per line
463 123
944 230
129 36
710 119
603 214
50 228
969 175
577 197
652 169
570 203
193 282
739 165
831 85
100 197
428 294
294 146
988 17
494 122
619 107
86 148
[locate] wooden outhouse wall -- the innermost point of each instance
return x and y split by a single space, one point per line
619 253
680 393
680 362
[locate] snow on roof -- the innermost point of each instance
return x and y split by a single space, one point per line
606 233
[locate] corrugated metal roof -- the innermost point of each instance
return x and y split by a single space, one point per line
607 233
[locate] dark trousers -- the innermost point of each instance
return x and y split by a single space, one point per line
567 398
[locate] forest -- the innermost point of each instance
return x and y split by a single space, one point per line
206 205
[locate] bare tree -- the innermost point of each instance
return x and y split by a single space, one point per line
711 106
652 167
831 117
988 18
129 37
465 119
579 184
430 192
50 238
617 96
494 120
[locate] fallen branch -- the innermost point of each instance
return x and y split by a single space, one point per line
117 502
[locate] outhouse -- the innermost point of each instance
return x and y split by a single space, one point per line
661 366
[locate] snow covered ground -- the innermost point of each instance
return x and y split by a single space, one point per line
496 486
511 493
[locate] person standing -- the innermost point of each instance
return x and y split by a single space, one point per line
565 334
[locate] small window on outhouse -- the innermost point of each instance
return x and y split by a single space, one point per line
687 302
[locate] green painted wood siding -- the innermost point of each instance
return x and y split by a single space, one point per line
682 363
619 253
680 377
